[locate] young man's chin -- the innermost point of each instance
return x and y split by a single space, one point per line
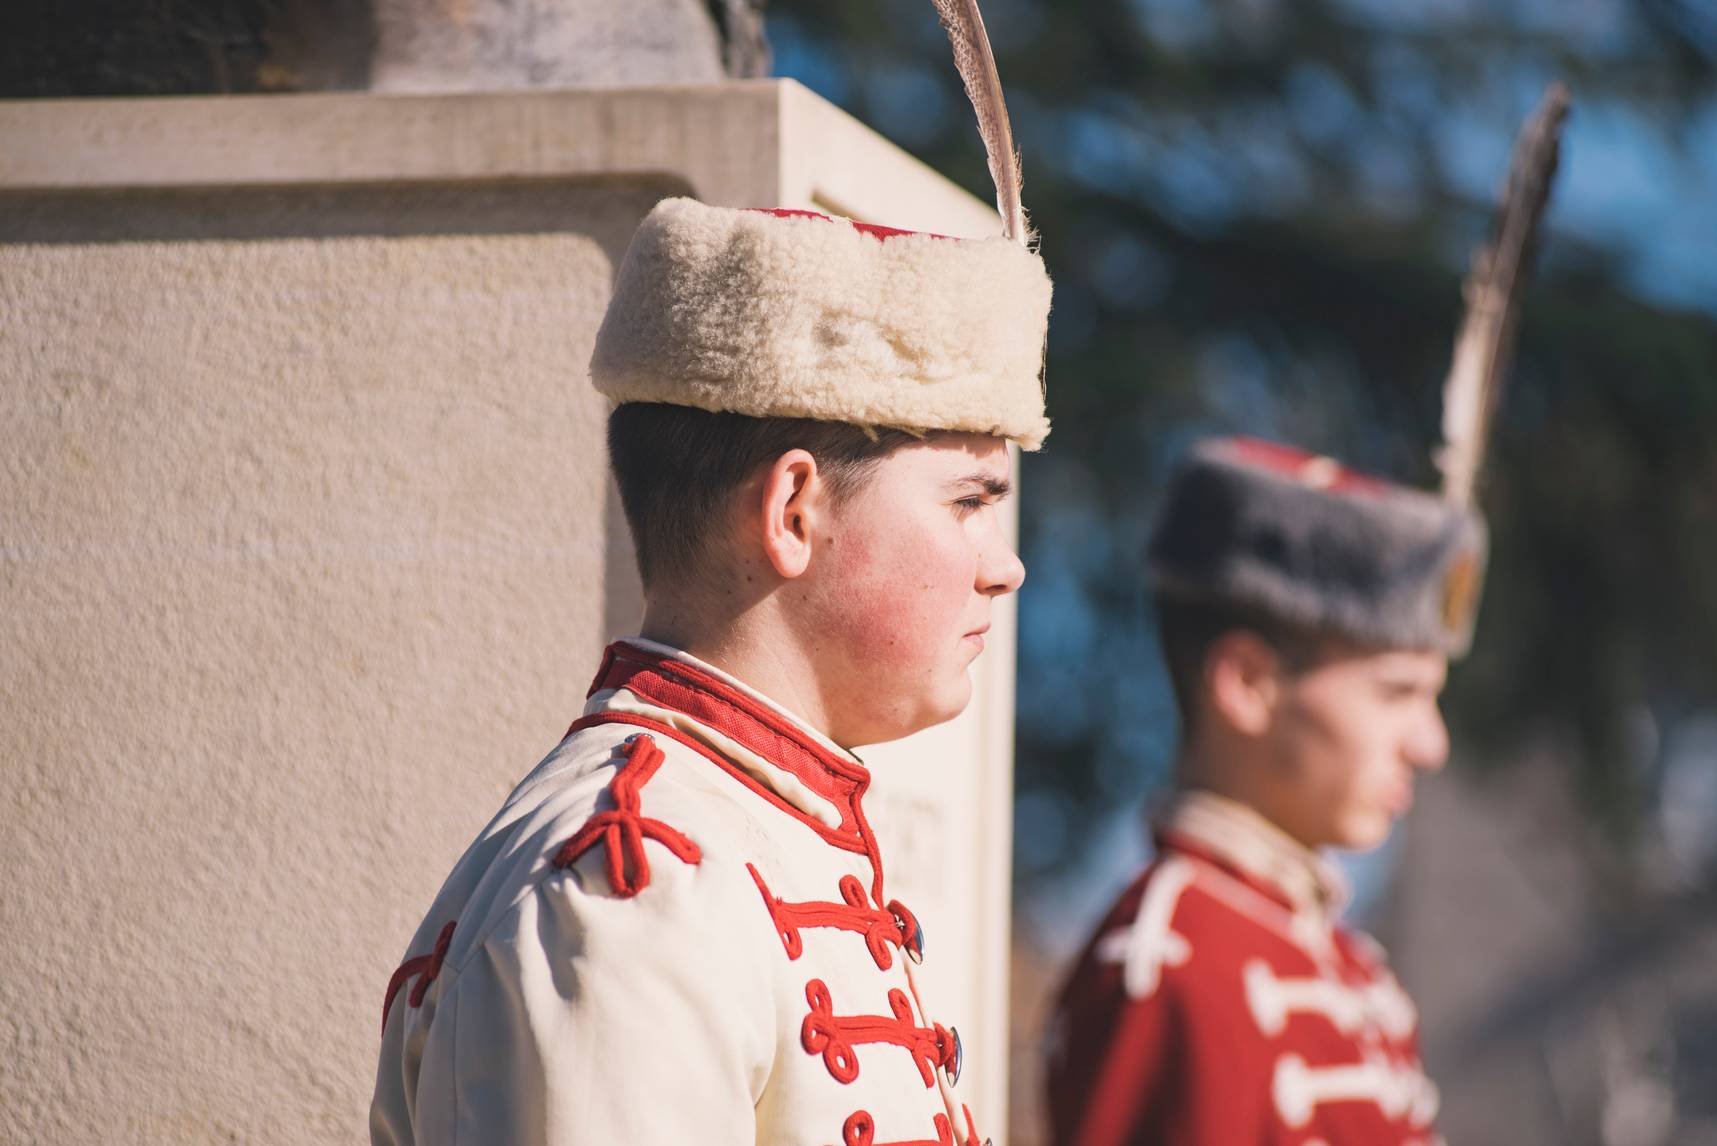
958 692
937 707
948 703
1364 831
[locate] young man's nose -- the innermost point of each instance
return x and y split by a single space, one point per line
1001 571
1428 748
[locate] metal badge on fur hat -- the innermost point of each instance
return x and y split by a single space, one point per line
794 314
1305 539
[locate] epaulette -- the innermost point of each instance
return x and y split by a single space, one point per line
623 828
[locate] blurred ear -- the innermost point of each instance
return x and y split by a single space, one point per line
1243 681
790 498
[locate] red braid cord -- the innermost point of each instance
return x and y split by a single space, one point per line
424 967
972 1138
623 829
835 1037
881 928
860 1130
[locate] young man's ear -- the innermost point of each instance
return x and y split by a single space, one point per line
1242 676
790 500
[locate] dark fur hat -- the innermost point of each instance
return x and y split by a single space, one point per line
1313 543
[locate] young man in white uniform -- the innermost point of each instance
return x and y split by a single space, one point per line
678 927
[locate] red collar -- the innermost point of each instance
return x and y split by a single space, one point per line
1237 839
1169 840
674 684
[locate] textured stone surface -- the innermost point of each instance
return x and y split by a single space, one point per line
301 571
484 45
182 47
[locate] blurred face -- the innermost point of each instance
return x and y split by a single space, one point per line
1346 740
900 591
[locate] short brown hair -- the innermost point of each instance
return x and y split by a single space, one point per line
1189 628
678 467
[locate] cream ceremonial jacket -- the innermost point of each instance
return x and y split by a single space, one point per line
675 931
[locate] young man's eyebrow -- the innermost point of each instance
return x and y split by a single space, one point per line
995 487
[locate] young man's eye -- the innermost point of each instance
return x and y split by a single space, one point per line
968 505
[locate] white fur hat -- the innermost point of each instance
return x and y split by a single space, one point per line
797 315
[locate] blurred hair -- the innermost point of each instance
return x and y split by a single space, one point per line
1189 629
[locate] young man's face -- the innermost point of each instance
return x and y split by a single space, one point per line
903 586
1346 740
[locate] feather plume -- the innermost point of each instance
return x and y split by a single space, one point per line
1484 349
977 67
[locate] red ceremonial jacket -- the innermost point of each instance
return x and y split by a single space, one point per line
1220 1004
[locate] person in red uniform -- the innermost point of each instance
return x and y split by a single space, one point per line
1307 615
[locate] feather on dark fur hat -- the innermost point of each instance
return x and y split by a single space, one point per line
1308 541
1305 539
